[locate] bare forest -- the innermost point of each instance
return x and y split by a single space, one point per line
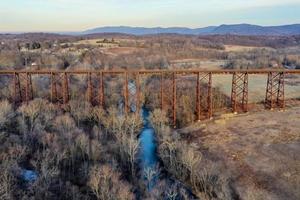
82 151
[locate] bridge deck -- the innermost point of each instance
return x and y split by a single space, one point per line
226 71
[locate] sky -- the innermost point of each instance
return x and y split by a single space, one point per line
79 15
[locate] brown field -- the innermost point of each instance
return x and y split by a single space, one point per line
257 86
238 48
259 151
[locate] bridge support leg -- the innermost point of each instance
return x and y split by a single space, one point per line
65 89
280 91
53 94
28 88
275 90
23 90
16 88
239 92
209 97
198 98
137 80
101 90
126 94
161 92
174 99
90 89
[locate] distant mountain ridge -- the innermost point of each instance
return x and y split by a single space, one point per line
234 29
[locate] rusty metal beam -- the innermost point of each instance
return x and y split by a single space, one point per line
239 92
198 98
157 71
101 90
174 98
90 89
126 93
65 89
275 90
53 87
280 91
209 97
138 93
161 91
15 88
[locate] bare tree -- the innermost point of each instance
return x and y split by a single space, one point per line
106 184
6 113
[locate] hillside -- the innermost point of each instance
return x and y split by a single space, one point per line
235 29
259 151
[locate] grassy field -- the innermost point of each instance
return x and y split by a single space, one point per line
257 86
260 151
238 48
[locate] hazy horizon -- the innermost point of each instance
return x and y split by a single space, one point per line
80 15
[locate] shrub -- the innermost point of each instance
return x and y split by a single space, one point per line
37 115
106 184
7 183
158 119
185 113
64 123
80 110
6 113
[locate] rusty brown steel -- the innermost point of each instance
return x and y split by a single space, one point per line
239 92
275 90
18 86
90 89
138 93
174 99
198 98
101 90
161 91
65 89
126 93
23 88
52 88
209 97
155 71
280 91
15 88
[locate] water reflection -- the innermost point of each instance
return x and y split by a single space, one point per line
148 156
29 175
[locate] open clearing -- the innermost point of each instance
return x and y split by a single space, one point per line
257 86
238 48
258 151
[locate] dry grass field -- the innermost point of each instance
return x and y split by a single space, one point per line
238 48
257 86
259 151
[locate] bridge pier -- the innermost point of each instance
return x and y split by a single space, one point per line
101 90
198 97
209 97
90 89
53 93
65 88
22 89
275 90
161 91
137 85
207 78
174 98
126 94
239 92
